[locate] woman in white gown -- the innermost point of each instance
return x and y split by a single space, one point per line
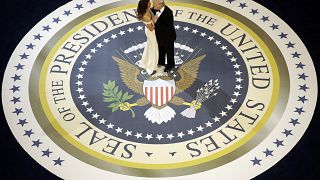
150 56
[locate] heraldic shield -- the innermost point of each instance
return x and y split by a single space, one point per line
159 92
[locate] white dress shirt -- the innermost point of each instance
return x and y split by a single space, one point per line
161 11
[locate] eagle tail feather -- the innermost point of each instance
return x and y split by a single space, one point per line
160 116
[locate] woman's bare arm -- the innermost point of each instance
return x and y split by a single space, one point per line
148 19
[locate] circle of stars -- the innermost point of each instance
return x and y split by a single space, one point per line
180 135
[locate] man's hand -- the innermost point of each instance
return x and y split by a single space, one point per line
150 27
155 18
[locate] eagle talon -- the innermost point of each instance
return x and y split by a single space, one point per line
126 106
194 104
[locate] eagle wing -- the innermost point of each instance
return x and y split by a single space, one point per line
188 73
129 74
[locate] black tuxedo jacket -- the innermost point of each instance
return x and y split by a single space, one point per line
164 27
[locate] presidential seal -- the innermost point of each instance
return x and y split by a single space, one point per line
199 89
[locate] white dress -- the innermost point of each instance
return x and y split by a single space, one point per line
150 56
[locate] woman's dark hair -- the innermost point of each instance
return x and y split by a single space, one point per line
142 8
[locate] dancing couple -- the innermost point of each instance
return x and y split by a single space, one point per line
158 55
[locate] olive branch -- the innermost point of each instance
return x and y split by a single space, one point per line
115 97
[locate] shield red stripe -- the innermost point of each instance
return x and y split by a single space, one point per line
162 96
167 94
151 95
156 100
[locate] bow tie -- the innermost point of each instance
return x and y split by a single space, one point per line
157 10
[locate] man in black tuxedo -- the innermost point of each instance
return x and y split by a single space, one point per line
165 32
